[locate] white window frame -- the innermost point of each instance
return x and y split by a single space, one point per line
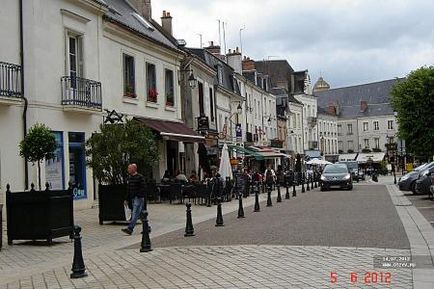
376 125
79 38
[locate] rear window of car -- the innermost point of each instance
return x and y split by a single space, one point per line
336 169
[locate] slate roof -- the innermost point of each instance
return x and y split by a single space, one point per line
213 61
121 11
278 70
376 94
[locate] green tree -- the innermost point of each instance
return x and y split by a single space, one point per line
109 151
413 100
38 144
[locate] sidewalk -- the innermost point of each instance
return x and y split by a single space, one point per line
29 258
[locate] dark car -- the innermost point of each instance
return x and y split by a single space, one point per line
408 181
423 184
336 175
353 168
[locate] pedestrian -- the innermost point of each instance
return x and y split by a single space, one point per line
270 176
137 193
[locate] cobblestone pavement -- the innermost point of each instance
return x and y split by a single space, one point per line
230 267
207 266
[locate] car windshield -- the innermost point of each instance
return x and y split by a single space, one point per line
336 169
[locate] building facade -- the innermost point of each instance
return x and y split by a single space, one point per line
328 134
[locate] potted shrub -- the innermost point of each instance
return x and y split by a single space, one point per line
46 214
129 92
366 150
109 152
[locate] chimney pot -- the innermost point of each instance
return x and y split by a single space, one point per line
164 13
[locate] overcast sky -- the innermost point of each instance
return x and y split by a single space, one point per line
348 42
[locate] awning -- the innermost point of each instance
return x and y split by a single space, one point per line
347 157
272 155
172 130
246 152
375 157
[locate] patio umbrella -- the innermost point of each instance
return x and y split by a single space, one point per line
225 169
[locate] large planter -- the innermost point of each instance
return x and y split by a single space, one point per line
35 215
111 202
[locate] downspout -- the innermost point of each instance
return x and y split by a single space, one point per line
26 166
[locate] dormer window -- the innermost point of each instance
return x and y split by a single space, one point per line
220 74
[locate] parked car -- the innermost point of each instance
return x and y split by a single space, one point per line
408 181
336 175
423 184
353 168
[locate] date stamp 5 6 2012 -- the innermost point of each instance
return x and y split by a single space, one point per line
365 277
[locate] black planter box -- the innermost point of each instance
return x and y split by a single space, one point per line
38 215
111 203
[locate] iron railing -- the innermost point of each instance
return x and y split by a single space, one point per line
10 80
82 92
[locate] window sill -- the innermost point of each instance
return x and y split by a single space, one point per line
152 104
130 100
170 108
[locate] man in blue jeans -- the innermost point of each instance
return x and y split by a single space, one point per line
137 193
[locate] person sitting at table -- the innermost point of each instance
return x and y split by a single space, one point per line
166 177
181 177
193 177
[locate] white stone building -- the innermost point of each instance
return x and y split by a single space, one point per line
328 134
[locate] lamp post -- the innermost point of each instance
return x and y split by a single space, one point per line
192 81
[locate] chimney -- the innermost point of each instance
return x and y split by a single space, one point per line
248 64
213 49
144 8
363 106
166 22
235 60
332 109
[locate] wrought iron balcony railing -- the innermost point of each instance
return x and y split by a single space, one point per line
81 92
10 80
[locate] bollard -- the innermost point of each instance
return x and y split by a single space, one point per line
219 220
311 182
287 192
294 193
269 203
257 208
279 196
307 184
78 267
145 246
189 230
240 206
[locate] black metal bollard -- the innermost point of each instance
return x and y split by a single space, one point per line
294 192
269 203
257 208
287 192
189 230
78 267
219 220
307 184
279 196
145 246
311 182
240 206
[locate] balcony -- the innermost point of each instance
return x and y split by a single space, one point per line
313 145
312 121
81 95
10 83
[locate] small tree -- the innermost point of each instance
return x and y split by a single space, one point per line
110 151
38 144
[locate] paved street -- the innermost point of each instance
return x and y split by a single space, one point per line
303 242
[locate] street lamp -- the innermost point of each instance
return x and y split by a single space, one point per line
239 108
192 81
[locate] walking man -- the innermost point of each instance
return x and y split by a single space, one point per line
136 192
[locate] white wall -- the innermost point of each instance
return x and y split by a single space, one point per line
10 31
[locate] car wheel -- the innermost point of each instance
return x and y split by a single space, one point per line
350 187
413 187
322 189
